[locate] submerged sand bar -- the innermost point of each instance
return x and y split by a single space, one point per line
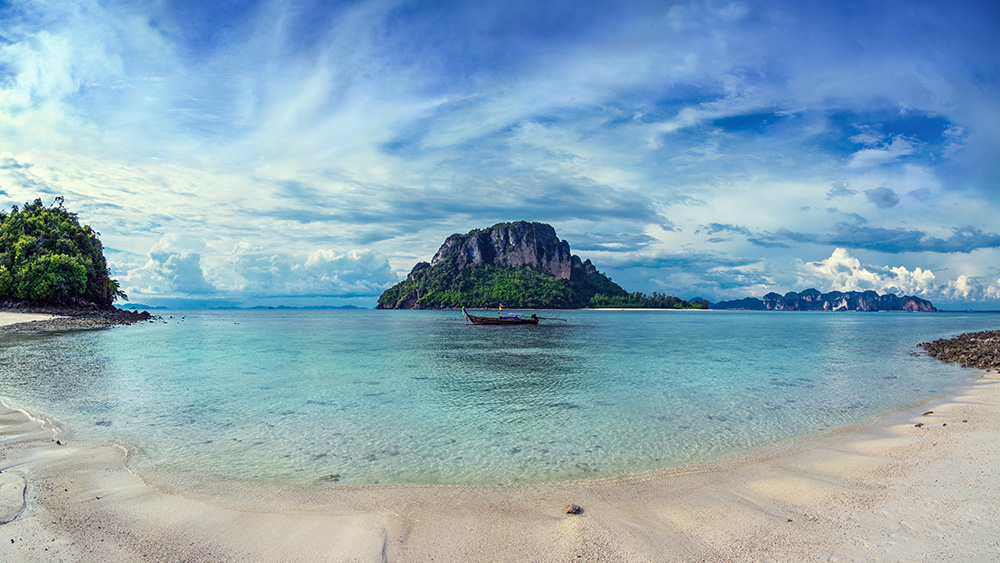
891 491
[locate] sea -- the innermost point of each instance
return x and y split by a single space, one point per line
335 398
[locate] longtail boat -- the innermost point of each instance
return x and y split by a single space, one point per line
502 319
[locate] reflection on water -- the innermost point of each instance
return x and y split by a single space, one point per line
364 397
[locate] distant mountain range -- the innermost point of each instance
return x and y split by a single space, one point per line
813 300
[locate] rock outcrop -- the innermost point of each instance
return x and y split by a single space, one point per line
70 317
812 300
518 264
972 349
510 245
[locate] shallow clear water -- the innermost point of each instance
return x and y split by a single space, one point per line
366 397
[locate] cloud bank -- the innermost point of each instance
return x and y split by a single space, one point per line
843 272
219 147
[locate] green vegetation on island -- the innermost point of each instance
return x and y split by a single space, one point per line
518 265
638 300
46 256
447 286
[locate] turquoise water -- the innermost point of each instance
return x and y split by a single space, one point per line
398 397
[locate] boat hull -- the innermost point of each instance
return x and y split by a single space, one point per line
477 320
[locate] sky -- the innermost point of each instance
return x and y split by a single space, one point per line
311 152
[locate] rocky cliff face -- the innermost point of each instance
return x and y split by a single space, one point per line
518 264
813 300
512 245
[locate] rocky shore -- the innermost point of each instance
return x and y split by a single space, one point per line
972 349
71 316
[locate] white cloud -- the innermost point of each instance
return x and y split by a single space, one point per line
867 137
956 141
169 269
963 287
70 74
250 271
882 154
966 288
843 272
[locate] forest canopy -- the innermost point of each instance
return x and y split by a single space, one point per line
46 255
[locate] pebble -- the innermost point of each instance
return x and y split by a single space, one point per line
572 509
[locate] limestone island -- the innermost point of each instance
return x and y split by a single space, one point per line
812 300
517 265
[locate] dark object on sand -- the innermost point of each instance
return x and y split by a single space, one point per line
572 509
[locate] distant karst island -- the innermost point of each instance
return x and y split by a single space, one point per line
517 265
812 300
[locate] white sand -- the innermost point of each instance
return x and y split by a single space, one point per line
14 318
885 492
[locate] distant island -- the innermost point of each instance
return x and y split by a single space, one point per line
812 300
140 307
517 265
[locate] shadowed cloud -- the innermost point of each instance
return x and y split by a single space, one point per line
883 198
894 241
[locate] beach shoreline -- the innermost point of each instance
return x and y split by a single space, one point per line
888 490
8 318
37 320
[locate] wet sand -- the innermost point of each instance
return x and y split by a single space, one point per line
890 491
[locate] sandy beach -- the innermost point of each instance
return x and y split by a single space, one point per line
919 484
7 319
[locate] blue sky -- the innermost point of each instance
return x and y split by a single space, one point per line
310 152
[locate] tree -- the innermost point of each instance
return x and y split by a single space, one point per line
47 255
